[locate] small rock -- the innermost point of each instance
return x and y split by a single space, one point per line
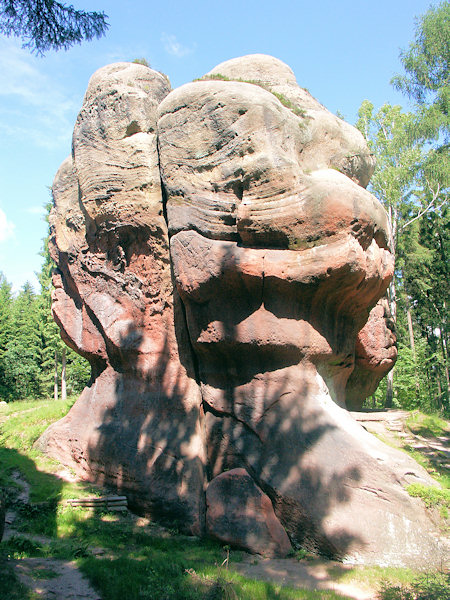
240 513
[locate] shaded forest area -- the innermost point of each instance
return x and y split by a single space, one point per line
411 180
34 361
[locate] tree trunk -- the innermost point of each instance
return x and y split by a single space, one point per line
63 375
413 349
439 394
55 386
392 300
411 334
389 389
390 376
445 365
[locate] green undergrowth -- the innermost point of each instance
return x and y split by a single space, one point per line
426 586
433 497
10 586
427 425
440 473
21 424
122 556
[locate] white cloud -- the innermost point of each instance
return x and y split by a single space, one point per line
173 47
36 210
6 227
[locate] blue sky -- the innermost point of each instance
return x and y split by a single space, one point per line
343 52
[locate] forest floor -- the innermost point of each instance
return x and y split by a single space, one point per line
53 551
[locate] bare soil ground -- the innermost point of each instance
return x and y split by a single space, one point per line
48 578
54 579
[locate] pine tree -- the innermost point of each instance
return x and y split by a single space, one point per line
6 301
21 358
49 25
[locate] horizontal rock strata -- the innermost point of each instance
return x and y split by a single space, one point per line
220 265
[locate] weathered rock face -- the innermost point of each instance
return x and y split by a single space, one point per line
223 361
239 513
375 355
138 424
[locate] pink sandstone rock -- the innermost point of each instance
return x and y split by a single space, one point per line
218 258
240 513
137 425
375 355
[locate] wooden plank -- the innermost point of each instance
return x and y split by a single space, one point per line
108 501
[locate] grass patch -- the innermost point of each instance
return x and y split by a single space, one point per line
137 561
370 577
168 577
43 573
427 586
427 425
433 497
438 472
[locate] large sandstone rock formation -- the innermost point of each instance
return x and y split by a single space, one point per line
218 257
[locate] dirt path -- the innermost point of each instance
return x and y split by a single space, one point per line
391 425
49 578
54 579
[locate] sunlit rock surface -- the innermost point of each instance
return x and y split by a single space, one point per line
138 424
218 257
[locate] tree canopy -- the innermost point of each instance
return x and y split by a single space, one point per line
49 25
412 179
426 81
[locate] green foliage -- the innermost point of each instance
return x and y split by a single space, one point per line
426 63
433 497
19 367
11 587
30 338
428 586
19 546
288 104
427 425
49 25
142 61
397 159
411 181
410 381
